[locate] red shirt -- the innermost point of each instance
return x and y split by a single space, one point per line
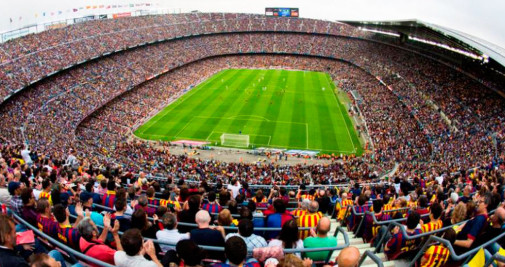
99 251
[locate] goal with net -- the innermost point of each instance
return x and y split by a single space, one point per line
235 140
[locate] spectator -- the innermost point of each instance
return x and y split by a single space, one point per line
188 254
474 227
188 214
303 206
245 231
144 205
45 220
92 244
109 197
5 196
140 221
320 239
435 222
398 245
277 219
124 221
438 254
204 235
16 203
288 237
310 219
134 249
235 250
29 211
9 257
212 206
348 257
170 234
67 233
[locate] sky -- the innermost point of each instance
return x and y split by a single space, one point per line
484 19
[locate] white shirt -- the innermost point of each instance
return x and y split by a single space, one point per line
440 179
234 190
170 236
25 153
123 260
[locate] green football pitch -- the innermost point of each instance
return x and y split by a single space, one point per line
275 108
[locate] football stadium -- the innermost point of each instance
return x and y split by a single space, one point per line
218 133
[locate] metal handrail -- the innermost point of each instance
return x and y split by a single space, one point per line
497 256
61 245
372 256
452 253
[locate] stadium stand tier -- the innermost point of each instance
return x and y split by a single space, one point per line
428 190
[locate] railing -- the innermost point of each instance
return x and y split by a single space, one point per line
466 256
60 245
372 256
497 257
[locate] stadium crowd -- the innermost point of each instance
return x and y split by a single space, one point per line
443 128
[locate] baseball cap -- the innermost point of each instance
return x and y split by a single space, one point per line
13 186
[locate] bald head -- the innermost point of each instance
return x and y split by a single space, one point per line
344 195
323 226
202 218
348 257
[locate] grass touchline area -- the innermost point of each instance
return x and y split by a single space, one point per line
275 108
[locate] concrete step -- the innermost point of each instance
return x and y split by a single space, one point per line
370 261
364 246
373 264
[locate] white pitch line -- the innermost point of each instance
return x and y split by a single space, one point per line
307 135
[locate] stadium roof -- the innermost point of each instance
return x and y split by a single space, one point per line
434 34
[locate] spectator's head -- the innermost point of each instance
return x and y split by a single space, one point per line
139 220
189 252
43 206
436 211
43 260
143 201
235 249
279 206
348 257
60 213
450 235
289 234
87 229
27 196
498 218
362 199
323 226
120 204
304 205
459 213
290 260
252 206
46 184
377 205
111 185
86 199
344 195
313 207
245 213
161 210
14 188
194 203
169 221
483 203
202 218
132 241
224 218
423 201
211 196
7 232
150 192
245 227
413 220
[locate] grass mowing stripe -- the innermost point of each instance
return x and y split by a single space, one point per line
249 105
298 110
232 99
327 132
169 108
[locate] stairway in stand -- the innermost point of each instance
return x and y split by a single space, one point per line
358 242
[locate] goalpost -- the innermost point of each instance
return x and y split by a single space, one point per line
235 140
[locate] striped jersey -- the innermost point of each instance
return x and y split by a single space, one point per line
308 220
47 225
69 235
170 204
212 207
436 256
109 198
431 226
298 212
398 244
153 201
47 196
